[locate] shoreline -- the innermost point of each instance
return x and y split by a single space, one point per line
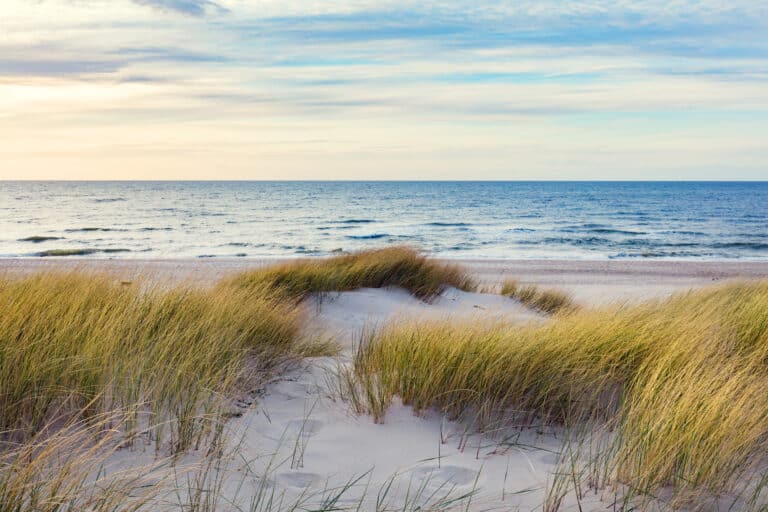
589 281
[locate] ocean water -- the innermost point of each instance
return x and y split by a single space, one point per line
594 220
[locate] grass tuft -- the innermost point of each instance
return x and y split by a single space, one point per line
680 383
393 266
544 300
88 344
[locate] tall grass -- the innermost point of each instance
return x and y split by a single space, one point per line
65 471
87 344
545 300
89 363
681 383
393 266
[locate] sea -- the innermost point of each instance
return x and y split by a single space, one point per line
257 219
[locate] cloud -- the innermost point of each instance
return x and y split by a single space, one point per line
49 67
189 7
166 54
430 75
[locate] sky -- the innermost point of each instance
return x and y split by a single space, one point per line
338 89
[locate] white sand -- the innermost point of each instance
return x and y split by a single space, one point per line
320 444
299 440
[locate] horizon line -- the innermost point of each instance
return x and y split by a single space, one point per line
544 180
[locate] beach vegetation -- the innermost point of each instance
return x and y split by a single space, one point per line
677 386
393 266
76 344
545 300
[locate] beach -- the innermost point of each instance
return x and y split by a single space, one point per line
297 438
591 281
383 256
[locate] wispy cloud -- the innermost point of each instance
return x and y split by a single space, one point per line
190 7
426 78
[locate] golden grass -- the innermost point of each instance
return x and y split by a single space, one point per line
64 472
682 382
85 343
545 300
89 363
393 266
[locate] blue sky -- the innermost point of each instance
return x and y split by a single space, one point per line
238 89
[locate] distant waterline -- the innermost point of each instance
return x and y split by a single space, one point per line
569 220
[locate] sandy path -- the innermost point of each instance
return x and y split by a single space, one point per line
337 446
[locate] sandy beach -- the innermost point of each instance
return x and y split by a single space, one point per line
590 281
383 256
301 434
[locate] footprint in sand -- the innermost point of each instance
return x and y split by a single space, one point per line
304 427
450 475
298 479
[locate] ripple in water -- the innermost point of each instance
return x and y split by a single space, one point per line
468 219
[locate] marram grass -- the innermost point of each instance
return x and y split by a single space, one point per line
75 340
71 338
681 383
545 300
88 363
393 266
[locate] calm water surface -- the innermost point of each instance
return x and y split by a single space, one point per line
687 220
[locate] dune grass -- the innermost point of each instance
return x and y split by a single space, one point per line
680 384
89 363
392 266
541 299
85 344
64 471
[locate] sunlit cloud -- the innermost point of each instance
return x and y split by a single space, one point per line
140 89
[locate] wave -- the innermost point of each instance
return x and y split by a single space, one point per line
448 224
329 228
757 246
610 231
659 254
600 229
39 239
78 252
110 200
374 236
682 232
354 221
591 241
91 229
461 247
304 250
